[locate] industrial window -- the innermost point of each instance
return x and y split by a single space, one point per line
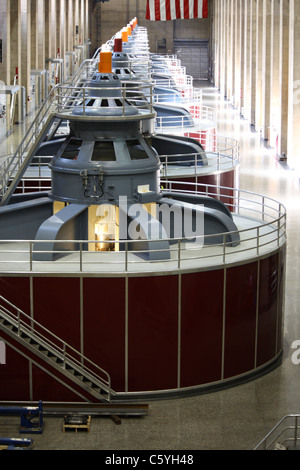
136 150
104 152
72 149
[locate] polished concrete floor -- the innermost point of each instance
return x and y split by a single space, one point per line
236 418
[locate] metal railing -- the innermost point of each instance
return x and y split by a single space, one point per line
186 97
69 98
220 154
175 71
9 168
84 72
197 163
284 435
264 231
61 103
138 69
181 81
52 343
205 116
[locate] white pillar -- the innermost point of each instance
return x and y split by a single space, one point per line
293 149
284 75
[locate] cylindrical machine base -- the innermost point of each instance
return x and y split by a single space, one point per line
164 334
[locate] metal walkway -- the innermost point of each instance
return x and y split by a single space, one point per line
13 169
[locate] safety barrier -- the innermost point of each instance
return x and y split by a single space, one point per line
261 223
46 344
195 116
285 435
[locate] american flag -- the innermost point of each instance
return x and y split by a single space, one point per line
163 10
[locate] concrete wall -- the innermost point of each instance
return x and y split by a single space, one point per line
115 14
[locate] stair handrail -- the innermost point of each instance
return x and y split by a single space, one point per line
87 64
30 136
37 121
8 168
29 329
4 169
264 445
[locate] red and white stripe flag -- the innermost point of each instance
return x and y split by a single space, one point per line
163 10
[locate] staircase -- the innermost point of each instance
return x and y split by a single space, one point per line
43 128
13 169
285 435
55 108
46 346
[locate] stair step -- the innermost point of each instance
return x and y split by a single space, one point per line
25 337
96 387
7 324
87 382
52 356
12 328
78 376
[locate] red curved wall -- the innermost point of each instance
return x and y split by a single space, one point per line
153 333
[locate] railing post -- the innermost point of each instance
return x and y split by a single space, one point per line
64 355
224 248
58 101
126 257
108 393
80 257
151 98
123 99
84 101
30 256
19 323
